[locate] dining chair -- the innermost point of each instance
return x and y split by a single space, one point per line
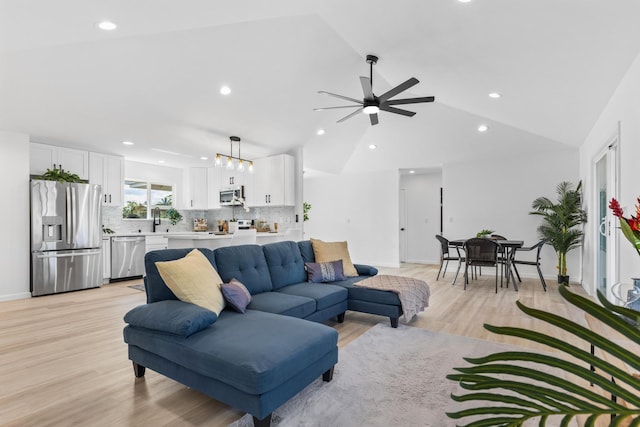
481 252
243 237
445 256
538 248
498 237
502 254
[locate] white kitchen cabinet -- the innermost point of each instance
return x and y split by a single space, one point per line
213 187
154 243
44 156
106 259
195 189
108 171
274 181
232 177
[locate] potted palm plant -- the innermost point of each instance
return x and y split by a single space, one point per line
561 222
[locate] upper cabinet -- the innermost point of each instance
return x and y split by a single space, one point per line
201 188
232 177
108 171
273 181
213 187
195 189
43 157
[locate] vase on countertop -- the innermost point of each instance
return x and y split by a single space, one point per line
232 226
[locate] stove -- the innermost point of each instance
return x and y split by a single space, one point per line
244 224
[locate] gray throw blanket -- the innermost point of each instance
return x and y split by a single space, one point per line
413 293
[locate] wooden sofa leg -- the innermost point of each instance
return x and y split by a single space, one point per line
138 370
394 321
265 422
340 318
328 375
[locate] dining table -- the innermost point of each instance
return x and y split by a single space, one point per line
508 249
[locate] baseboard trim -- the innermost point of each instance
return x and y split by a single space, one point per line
423 261
12 297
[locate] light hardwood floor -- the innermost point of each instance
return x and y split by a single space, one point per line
63 360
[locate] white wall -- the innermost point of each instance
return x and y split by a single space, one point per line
14 245
623 107
359 208
422 193
497 195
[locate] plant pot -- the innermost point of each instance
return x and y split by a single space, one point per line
232 226
563 279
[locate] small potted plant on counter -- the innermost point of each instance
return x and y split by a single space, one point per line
174 216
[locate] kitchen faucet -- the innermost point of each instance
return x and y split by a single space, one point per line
156 218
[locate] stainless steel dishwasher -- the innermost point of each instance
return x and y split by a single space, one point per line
127 256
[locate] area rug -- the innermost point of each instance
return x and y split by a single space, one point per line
386 377
139 287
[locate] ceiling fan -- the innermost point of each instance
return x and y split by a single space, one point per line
372 104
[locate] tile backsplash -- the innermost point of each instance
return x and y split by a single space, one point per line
283 215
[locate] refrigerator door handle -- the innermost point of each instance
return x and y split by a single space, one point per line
68 206
74 219
67 255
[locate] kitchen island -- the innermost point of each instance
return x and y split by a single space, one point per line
213 241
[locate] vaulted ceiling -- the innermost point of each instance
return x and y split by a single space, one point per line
155 80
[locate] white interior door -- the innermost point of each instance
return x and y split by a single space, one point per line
403 225
606 253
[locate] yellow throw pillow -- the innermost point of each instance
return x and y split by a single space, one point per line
333 251
193 279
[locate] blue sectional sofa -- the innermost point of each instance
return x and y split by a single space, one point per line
258 360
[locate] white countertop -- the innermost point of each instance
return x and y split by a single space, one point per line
207 236
195 235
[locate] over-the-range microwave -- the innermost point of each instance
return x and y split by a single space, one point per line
230 196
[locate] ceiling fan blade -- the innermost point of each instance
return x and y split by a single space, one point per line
333 108
400 88
366 87
350 115
374 119
410 100
346 98
397 111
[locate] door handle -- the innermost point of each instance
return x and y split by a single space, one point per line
68 206
402 229
109 198
603 227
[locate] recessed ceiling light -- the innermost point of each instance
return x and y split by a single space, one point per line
494 95
160 161
373 147
107 25
225 90
483 128
127 142
204 158
464 1
412 171
320 132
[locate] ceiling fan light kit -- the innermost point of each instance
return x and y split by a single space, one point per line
372 104
233 162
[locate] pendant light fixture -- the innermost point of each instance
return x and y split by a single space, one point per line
233 162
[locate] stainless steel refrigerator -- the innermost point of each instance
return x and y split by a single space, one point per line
66 237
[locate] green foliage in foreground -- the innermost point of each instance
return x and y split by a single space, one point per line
552 394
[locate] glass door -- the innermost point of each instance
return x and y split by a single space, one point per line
606 269
601 208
